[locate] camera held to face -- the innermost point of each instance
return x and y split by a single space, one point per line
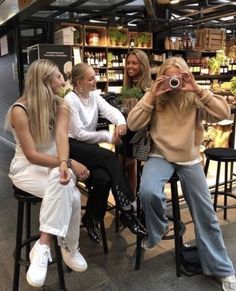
173 82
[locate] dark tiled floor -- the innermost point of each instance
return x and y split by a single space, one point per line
114 271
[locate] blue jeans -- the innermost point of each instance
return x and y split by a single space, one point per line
156 173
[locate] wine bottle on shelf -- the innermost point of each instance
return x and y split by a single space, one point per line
123 60
100 60
116 61
104 60
131 42
121 75
113 61
120 61
92 60
117 75
97 75
96 60
88 59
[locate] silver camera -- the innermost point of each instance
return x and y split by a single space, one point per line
173 82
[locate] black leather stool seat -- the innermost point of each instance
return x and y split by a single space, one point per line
179 227
228 157
25 200
221 154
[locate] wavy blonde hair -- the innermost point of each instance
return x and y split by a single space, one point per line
144 80
42 104
186 98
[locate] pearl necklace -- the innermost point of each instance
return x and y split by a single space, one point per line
85 101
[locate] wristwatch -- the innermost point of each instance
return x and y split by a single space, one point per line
69 163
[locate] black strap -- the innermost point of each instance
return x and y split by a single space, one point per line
20 105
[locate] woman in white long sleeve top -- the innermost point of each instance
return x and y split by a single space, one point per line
106 173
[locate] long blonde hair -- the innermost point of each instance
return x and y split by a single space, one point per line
144 80
41 103
186 98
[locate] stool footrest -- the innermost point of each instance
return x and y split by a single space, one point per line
29 240
181 231
226 207
229 194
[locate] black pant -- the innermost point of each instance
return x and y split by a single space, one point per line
105 174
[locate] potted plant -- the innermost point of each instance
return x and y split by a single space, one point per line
143 39
114 35
122 40
130 97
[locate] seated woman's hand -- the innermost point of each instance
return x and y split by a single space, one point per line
116 140
80 170
65 175
121 129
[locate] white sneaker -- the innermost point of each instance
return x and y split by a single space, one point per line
39 257
228 283
144 245
74 260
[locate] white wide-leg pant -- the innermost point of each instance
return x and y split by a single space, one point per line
61 207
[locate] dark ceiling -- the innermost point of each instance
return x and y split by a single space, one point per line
149 15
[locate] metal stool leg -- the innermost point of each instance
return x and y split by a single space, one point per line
19 229
226 190
59 264
217 185
27 229
176 220
138 253
117 219
104 237
138 240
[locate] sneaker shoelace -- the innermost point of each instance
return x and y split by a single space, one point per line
44 257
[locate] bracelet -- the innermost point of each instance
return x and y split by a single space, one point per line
68 163
200 93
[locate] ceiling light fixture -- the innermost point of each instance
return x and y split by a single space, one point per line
227 18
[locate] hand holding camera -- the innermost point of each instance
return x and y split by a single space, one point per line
173 82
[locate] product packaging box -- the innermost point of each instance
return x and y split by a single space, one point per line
65 36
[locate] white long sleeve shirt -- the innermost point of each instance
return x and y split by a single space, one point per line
84 118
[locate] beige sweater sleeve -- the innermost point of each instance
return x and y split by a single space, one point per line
140 115
215 107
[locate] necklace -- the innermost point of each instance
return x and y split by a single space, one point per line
85 101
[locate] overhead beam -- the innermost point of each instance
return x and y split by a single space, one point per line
149 8
206 10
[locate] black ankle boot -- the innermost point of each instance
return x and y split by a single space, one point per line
92 229
129 219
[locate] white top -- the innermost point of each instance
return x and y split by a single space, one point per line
19 154
84 117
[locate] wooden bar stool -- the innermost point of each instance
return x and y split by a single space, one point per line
25 200
228 157
179 227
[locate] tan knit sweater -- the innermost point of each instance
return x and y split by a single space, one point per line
177 135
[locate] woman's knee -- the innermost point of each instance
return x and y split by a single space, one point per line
148 195
99 177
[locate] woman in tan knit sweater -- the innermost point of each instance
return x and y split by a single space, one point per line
175 107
